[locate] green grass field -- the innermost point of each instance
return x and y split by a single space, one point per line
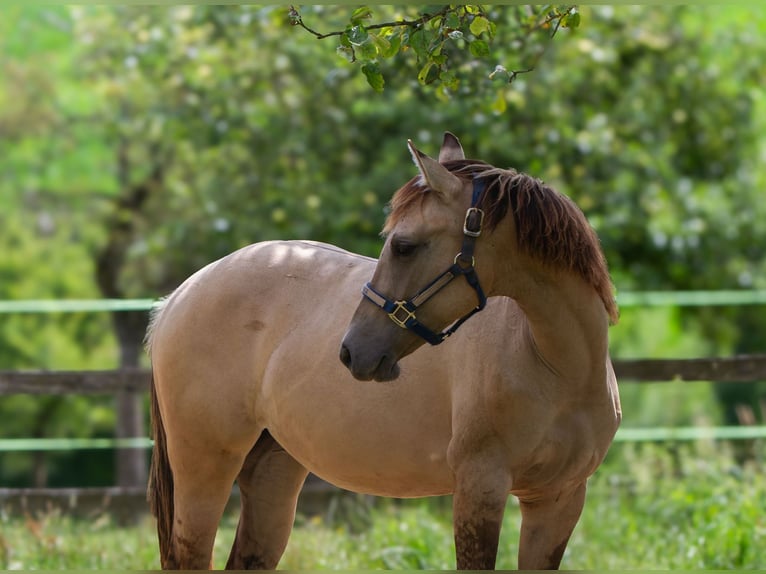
649 507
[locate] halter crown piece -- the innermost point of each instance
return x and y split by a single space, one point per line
402 312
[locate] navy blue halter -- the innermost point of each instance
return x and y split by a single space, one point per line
402 312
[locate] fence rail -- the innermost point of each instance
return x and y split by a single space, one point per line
73 382
745 368
127 504
737 369
624 299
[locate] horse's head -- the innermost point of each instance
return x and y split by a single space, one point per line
425 279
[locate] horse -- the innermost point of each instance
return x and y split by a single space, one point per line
247 384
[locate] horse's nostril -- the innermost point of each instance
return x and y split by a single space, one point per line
345 356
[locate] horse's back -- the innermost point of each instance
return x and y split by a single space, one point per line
252 283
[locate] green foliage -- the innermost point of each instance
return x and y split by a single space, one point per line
679 507
447 44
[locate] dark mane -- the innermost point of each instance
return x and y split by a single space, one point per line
549 226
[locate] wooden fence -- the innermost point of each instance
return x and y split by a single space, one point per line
745 368
128 503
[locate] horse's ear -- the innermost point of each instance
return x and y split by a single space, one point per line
436 176
451 148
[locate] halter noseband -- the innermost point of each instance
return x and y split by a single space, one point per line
402 312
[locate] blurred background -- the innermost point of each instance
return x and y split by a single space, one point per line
138 144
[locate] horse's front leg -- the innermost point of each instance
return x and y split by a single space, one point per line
481 490
547 522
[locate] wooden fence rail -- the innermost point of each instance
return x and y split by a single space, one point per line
745 368
738 369
73 382
129 504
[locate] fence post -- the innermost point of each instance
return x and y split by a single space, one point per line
131 462
132 471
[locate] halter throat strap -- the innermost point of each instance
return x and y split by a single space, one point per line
402 312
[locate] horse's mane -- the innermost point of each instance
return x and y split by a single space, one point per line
549 226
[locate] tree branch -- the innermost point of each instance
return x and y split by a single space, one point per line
529 21
296 20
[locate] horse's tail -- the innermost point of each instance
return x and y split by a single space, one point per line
160 488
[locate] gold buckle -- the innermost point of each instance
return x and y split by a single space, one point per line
400 306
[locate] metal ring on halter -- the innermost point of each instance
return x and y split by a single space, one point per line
457 258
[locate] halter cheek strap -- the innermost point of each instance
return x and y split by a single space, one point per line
402 312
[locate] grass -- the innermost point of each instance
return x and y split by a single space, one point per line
649 507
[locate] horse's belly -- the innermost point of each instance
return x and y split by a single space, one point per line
384 476
386 439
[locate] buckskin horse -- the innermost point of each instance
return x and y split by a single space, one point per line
522 399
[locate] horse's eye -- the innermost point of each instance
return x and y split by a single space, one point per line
403 248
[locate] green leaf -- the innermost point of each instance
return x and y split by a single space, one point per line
479 49
382 44
419 43
479 25
361 13
428 73
357 35
374 76
367 51
571 20
394 44
452 21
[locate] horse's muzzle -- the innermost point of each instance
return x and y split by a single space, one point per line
381 369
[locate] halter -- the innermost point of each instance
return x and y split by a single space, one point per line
402 312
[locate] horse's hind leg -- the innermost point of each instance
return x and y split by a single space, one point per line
546 525
269 484
202 486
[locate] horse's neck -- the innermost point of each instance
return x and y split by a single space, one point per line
567 318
